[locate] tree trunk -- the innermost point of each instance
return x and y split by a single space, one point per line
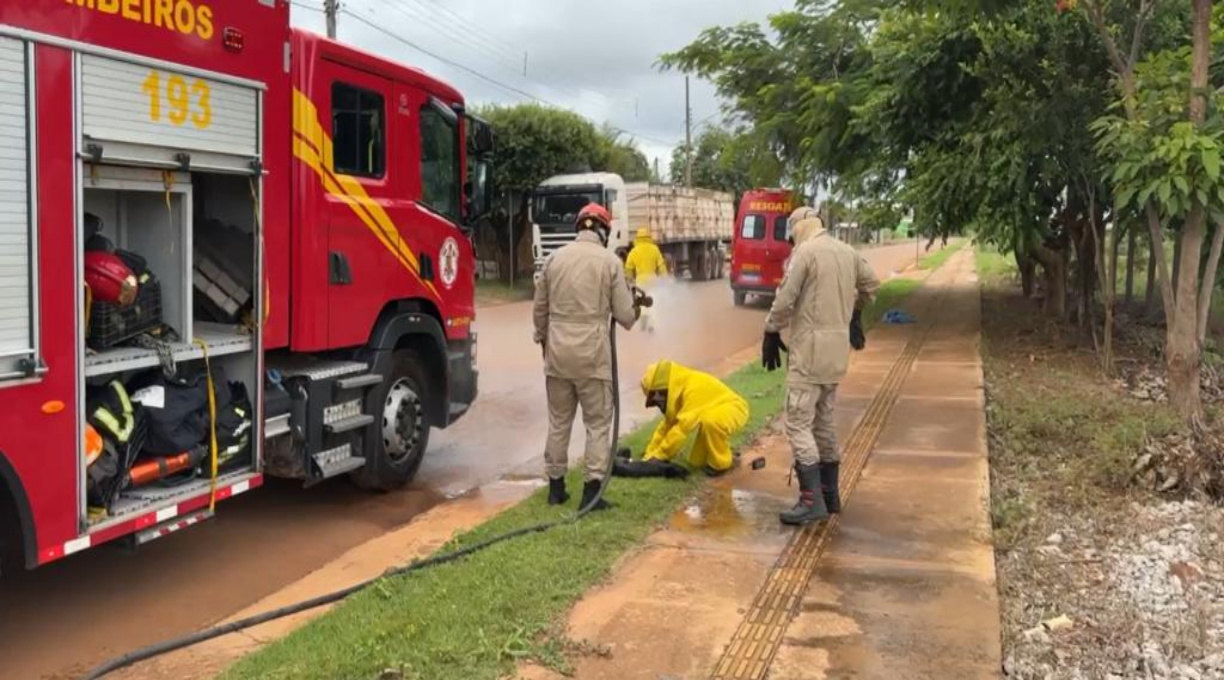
1054 271
1028 270
1207 287
1086 254
1132 236
1149 296
1183 349
1177 262
1107 268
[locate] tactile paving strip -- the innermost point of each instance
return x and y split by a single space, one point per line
759 635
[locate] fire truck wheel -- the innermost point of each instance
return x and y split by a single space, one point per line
403 428
740 297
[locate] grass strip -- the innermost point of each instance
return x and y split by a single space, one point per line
496 291
935 260
1062 437
478 617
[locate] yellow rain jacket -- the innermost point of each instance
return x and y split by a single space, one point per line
695 401
645 261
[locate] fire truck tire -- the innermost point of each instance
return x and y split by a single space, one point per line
740 297
403 434
10 539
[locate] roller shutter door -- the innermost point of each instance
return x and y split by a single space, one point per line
139 112
16 306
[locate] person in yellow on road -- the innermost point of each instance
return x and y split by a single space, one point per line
691 400
643 264
645 260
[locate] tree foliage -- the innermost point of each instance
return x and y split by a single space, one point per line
535 142
1034 123
727 161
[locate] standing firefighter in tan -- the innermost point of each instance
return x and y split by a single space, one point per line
826 285
580 287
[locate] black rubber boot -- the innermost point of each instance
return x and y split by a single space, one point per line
828 487
589 491
556 491
811 507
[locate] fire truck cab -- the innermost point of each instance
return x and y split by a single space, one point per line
300 211
761 244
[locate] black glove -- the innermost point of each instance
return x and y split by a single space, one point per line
771 351
858 339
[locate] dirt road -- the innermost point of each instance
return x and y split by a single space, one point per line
60 619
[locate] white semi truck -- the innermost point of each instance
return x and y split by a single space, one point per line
690 225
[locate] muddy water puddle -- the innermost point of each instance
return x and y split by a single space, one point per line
723 512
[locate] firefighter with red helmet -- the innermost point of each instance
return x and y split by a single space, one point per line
580 286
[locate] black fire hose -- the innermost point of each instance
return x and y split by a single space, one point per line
174 644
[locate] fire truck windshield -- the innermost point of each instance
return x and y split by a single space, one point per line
563 208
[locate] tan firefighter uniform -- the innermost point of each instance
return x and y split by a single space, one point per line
580 288
824 282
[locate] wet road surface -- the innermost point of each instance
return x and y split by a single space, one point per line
61 619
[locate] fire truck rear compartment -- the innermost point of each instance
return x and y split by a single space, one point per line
197 233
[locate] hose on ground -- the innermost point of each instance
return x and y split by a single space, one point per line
182 642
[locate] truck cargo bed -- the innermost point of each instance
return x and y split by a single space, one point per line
679 214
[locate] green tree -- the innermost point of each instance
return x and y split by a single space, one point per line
622 157
534 143
728 161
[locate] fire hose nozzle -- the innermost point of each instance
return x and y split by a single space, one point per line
641 299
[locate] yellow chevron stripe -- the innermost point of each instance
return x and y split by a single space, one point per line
313 146
305 153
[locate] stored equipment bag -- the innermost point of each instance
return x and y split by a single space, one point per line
177 410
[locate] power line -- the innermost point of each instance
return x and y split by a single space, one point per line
511 51
421 19
473 72
467 69
509 48
449 31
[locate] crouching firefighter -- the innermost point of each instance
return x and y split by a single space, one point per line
693 401
580 287
826 284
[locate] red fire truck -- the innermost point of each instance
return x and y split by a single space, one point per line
761 246
238 162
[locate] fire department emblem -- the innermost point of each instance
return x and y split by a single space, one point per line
448 261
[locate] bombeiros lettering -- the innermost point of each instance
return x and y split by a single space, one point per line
181 16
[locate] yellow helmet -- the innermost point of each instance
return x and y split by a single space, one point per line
656 377
643 232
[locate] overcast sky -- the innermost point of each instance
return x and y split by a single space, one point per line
593 58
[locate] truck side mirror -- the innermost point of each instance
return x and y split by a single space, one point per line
478 190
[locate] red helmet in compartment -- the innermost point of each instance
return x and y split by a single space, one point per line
109 279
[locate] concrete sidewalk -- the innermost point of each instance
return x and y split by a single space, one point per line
902 585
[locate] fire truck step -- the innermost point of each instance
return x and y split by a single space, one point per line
349 424
276 426
168 527
337 461
358 381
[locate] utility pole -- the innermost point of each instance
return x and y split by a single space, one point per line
524 64
688 136
330 8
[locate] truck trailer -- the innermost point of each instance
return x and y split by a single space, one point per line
196 199
690 225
